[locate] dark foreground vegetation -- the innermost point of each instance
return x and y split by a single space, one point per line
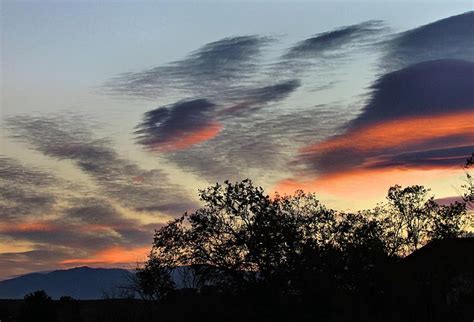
245 256
433 284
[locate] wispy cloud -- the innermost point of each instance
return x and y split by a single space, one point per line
24 191
324 53
250 99
365 147
446 38
424 109
76 230
178 126
441 158
416 119
260 148
118 178
234 102
216 65
16 263
41 210
427 88
336 41
85 224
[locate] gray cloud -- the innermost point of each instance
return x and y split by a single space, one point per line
79 241
249 99
447 157
236 153
271 93
118 178
186 123
236 85
16 263
235 65
260 149
426 88
69 236
82 228
93 210
24 191
328 43
36 207
167 126
252 141
100 213
322 54
214 66
446 38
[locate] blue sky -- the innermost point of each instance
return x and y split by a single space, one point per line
51 48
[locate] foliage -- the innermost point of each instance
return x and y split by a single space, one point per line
468 187
246 244
412 218
154 280
39 296
241 231
38 306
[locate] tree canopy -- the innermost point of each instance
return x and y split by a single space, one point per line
242 239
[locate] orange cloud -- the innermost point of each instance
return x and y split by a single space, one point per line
362 183
406 131
97 228
113 255
362 163
186 139
27 227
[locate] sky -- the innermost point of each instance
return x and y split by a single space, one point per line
115 113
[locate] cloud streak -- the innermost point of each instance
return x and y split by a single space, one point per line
393 139
85 228
215 66
421 110
340 39
247 100
260 149
446 38
40 211
427 88
69 139
178 126
228 90
24 191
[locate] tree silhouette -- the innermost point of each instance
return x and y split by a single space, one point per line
468 196
69 309
154 280
412 218
38 306
241 231
293 250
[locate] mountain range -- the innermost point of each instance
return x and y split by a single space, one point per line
80 283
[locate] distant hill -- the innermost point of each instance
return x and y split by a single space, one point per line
80 283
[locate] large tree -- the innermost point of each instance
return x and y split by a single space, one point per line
242 238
